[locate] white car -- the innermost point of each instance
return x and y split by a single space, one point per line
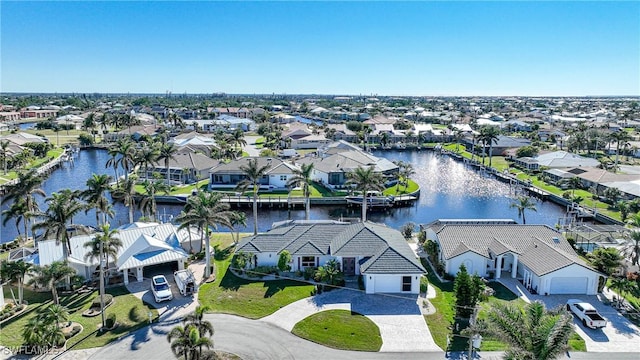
161 289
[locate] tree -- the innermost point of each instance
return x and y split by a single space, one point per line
531 332
238 218
15 271
488 136
111 245
4 153
407 230
205 210
365 180
620 138
467 291
302 177
51 276
605 260
57 220
527 151
284 260
26 188
622 286
126 192
329 273
148 202
146 156
523 203
186 342
404 173
43 330
253 173
237 139
196 318
167 153
573 183
632 247
89 124
94 195
18 211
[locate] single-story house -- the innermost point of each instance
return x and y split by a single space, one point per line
537 255
229 175
143 244
379 254
497 148
185 167
332 170
556 159
341 132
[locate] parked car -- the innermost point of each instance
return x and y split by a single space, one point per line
587 313
161 289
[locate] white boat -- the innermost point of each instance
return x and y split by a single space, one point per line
374 199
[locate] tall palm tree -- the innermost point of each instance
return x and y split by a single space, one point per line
57 220
94 195
111 245
145 156
253 173
26 188
238 218
620 138
196 318
127 151
237 139
167 153
186 342
488 136
365 180
126 192
632 248
18 211
89 123
523 203
15 271
405 172
204 210
56 313
51 276
531 333
302 177
574 183
4 153
148 202
114 161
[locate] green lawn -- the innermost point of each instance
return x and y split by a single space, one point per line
412 187
131 313
4 255
340 329
60 138
230 294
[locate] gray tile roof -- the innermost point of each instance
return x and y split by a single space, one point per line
387 249
539 247
276 166
346 161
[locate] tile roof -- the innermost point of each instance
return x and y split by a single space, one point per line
387 249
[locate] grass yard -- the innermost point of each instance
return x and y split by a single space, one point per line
230 294
131 314
340 329
60 138
395 190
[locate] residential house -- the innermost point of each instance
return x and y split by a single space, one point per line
185 167
554 160
600 179
37 113
504 143
537 255
9 116
136 133
194 142
341 132
332 170
143 244
379 254
229 175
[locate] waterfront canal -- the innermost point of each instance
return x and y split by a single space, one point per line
448 190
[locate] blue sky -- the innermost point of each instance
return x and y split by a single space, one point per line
385 48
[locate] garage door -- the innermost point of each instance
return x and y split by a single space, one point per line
387 284
565 285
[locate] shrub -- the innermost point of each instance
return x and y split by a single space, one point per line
424 284
309 273
261 271
76 329
111 320
361 282
284 260
96 302
76 281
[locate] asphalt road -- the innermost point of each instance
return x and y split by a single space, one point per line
252 339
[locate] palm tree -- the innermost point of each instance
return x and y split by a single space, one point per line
365 180
523 203
489 136
111 245
17 211
237 139
632 248
148 202
302 176
253 174
4 153
56 314
94 195
176 120
27 186
52 276
126 192
167 153
196 319
531 333
126 149
63 206
186 342
146 156
204 210
574 183
621 285
384 138
405 172
15 271
89 123
620 138
238 218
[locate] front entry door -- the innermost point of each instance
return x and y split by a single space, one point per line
349 266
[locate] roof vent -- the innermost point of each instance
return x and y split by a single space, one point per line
556 240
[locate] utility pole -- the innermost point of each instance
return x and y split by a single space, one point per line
102 283
472 338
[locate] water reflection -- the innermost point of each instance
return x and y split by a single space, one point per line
448 190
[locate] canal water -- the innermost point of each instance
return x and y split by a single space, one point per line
449 190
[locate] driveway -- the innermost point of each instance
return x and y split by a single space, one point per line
620 335
402 326
251 148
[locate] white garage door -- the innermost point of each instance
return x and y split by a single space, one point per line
387 284
565 285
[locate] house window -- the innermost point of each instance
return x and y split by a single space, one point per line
283 177
406 283
308 261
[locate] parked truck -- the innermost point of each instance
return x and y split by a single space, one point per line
185 281
586 313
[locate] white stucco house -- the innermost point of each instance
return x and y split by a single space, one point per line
378 253
143 244
229 175
537 255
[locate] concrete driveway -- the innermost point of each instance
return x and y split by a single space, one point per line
620 335
402 326
251 148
